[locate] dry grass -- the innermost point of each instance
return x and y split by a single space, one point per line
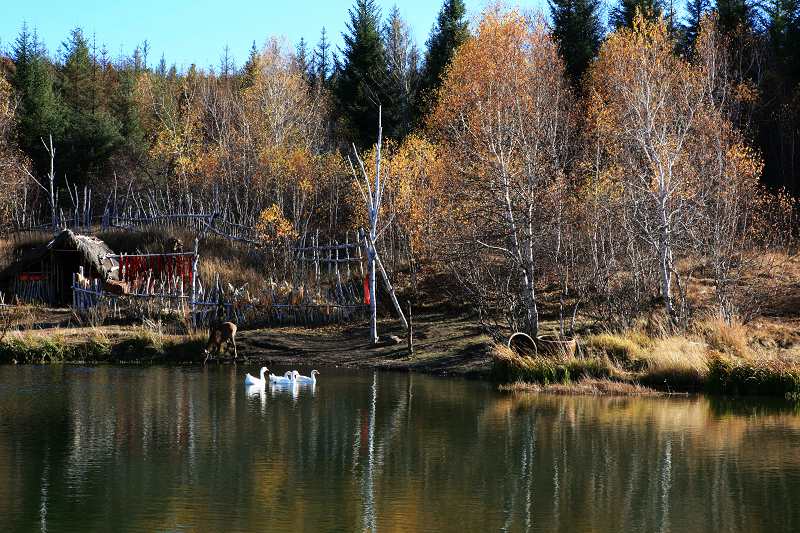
766 376
723 336
508 366
589 387
624 347
231 271
99 344
54 347
676 362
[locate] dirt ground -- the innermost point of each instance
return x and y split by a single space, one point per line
443 345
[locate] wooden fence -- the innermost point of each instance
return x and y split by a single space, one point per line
159 285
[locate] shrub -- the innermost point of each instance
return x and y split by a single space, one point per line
763 377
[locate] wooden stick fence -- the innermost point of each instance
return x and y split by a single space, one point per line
151 294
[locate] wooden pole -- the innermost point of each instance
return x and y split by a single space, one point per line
372 197
388 284
410 332
194 284
347 253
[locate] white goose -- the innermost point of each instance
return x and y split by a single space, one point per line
286 379
305 380
251 381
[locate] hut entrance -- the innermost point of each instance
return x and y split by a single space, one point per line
65 263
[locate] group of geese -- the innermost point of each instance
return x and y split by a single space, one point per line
291 377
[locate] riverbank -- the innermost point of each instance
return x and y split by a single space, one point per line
443 345
762 359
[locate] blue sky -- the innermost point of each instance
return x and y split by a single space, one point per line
196 31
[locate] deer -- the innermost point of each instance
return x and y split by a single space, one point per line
219 334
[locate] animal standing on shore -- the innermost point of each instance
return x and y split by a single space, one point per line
219 334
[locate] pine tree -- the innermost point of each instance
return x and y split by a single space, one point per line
450 32
161 69
735 16
783 31
126 112
322 59
91 134
402 74
226 63
577 27
304 62
76 72
39 111
248 74
779 113
695 11
360 84
623 14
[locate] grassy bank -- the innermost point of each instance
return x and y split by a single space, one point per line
445 345
98 345
714 356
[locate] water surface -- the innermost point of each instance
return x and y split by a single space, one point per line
183 449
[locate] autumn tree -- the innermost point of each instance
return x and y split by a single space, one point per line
12 161
504 122
658 122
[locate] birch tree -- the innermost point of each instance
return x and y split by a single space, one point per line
665 148
504 120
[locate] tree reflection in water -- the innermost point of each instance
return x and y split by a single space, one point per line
169 448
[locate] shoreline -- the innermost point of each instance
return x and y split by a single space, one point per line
445 345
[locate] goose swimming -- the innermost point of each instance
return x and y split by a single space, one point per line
306 380
286 379
252 381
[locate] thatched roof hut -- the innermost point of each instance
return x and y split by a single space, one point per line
45 273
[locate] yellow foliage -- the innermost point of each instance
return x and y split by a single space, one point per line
503 116
273 226
12 161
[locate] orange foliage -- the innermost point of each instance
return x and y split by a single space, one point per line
12 161
273 226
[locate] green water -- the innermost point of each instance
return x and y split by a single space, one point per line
174 449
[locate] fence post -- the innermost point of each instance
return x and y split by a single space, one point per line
316 260
347 252
194 284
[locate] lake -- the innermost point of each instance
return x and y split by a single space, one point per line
190 449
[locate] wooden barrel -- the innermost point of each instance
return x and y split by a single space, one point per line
553 345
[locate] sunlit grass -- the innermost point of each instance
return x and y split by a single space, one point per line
588 386
508 366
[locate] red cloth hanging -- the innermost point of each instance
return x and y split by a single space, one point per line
366 291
